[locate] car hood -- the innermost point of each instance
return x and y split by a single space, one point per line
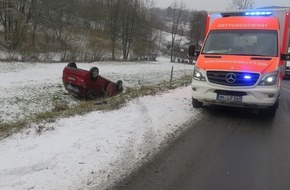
238 63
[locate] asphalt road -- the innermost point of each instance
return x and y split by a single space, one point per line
227 149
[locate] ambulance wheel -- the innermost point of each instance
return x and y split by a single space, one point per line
196 103
94 73
119 85
72 65
271 111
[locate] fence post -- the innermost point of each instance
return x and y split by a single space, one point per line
171 76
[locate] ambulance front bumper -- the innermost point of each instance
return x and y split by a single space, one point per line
255 97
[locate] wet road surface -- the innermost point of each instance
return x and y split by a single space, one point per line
227 149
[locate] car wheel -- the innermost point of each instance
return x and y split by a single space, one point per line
196 103
119 85
94 73
72 65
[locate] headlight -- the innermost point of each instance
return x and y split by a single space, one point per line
269 79
197 74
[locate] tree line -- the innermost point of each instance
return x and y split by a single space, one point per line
89 30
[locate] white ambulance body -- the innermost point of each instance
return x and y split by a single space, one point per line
229 69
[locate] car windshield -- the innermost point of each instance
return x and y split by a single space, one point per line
242 42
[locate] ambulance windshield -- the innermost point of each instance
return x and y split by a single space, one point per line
242 42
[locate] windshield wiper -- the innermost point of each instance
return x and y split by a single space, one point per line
259 55
213 56
261 58
212 53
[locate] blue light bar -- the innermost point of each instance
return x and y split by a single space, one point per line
248 77
262 13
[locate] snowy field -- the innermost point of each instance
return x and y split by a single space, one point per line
28 89
94 150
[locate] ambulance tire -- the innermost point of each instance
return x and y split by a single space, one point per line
271 111
196 103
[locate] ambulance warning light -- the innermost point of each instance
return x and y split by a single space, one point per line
262 13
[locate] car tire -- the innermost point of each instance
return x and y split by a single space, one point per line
72 65
119 85
196 103
94 73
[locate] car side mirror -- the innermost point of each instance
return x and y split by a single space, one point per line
285 57
192 52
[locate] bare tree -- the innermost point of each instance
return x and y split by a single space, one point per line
176 15
59 19
113 23
15 16
241 4
35 17
145 37
75 26
197 28
129 12
94 13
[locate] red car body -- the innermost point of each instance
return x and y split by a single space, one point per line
88 84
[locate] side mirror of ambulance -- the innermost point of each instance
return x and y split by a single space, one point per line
192 52
285 57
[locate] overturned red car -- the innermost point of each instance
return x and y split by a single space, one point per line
88 84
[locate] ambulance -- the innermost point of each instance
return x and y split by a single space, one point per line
242 60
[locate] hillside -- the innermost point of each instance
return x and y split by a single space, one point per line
76 30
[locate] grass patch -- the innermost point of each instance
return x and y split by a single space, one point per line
62 110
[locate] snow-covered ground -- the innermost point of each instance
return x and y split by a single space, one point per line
31 88
93 150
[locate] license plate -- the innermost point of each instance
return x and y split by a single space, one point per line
229 98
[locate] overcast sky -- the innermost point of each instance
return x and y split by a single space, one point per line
211 5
